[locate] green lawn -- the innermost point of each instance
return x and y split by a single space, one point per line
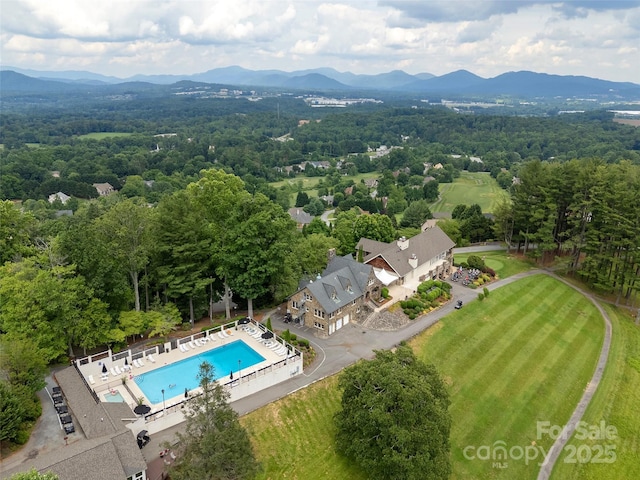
524 354
503 263
102 135
616 403
311 183
293 437
469 188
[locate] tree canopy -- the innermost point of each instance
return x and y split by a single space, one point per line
394 418
214 446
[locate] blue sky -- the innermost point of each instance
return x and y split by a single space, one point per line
595 38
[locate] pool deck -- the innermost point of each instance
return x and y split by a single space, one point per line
124 382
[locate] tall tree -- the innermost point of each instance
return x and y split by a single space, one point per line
257 242
185 264
394 418
17 229
214 444
127 227
217 195
53 306
374 227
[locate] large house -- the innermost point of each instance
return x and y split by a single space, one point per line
301 217
336 297
104 188
428 255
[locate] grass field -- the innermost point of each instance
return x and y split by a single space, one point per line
469 188
504 264
293 437
101 135
616 403
524 354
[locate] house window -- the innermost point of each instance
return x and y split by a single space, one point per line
332 315
339 310
307 296
318 325
137 476
353 303
294 304
318 313
370 282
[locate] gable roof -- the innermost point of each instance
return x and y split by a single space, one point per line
425 246
343 281
300 216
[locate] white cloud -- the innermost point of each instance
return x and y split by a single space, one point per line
125 37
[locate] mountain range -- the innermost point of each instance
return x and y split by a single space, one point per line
462 82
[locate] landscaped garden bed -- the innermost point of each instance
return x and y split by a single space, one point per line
429 296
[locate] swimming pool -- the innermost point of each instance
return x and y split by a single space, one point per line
113 397
181 375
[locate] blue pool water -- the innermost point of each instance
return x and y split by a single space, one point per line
174 378
110 397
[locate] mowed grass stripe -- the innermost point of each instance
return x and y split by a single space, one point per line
502 397
616 403
491 331
552 359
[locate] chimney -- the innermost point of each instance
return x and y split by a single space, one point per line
413 261
331 254
403 243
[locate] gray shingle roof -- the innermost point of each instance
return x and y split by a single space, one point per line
343 281
110 451
425 246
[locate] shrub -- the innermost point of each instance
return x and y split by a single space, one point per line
303 342
486 291
489 271
475 261
464 265
481 296
384 292
293 337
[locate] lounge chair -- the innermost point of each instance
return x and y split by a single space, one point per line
151 359
184 347
191 344
91 380
135 363
220 335
114 372
276 346
140 362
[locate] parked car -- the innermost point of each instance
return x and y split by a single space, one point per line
458 305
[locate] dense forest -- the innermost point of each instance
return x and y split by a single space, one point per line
197 214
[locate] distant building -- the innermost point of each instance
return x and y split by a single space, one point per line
63 197
104 188
301 217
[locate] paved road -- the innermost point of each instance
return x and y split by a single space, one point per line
325 216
